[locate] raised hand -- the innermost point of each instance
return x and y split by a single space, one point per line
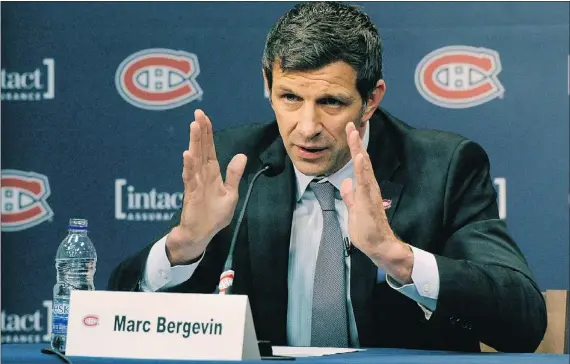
209 202
368 225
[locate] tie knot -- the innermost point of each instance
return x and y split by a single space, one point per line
325 194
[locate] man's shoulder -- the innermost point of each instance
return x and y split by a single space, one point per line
427 142
420 148
249 139
245 132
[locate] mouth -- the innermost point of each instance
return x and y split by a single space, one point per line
310 152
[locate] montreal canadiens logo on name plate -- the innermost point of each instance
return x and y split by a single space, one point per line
459 77
159 79
91 320
24 196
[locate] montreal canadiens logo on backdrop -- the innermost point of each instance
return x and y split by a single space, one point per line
24 196
459 76
159 79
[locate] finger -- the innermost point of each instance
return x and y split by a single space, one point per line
349 128
202 119
367 187
195 146
210 146
190 135
362 175
189 176
354 141
347 192
235 171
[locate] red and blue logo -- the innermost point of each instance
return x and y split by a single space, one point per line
459 77
91 320
24 196
159 79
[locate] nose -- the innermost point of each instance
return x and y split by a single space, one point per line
309 124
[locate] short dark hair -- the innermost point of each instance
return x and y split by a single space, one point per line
313 35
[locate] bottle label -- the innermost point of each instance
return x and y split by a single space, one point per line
60 317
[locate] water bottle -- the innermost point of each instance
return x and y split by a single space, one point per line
75 263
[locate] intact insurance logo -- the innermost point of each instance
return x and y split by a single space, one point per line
24 196
459 77
28 328
135 205
30 85
159 79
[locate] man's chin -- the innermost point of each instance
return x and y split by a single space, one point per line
311 168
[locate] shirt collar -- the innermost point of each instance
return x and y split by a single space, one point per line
336 178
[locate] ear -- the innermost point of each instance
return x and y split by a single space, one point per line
266 85
374 101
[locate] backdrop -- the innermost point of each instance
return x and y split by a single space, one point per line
97 99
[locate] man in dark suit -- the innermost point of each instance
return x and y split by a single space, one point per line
432 265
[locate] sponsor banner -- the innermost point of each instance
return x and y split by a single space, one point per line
459 77
159 79
28 328
24 199
134 205
30 85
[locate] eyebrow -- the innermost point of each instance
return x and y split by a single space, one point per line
341 95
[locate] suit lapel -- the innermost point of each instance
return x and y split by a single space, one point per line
385 161
269 221
391 194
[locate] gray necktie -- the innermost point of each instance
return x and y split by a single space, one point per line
329 324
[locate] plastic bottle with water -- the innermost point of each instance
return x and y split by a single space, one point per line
75 262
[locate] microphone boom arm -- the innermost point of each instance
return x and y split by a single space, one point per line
229 260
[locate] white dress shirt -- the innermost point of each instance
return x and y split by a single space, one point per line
306 233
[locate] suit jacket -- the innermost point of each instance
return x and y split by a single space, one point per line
443 201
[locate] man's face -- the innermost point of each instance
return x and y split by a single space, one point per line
312 109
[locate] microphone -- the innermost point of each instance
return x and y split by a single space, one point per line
348 247
274 165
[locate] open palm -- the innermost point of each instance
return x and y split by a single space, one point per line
209 202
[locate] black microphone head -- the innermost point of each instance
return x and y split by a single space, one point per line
275 160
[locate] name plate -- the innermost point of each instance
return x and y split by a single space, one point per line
154 325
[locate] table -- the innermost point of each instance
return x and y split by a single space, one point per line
31 354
